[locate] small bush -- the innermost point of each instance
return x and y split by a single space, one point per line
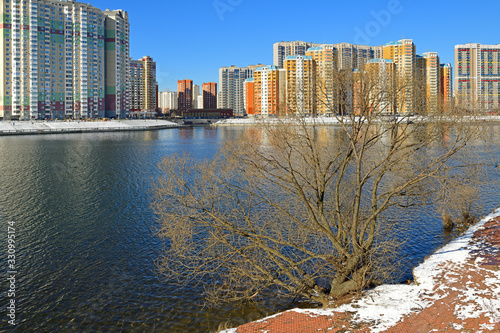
448 223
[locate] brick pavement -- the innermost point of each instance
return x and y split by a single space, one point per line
456 290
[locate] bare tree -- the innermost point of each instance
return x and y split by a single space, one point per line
298 210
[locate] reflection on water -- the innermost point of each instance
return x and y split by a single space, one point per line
85 232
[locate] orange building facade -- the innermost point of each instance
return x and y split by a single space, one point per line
209 95
249 88
325 58
300 88
445 86
269 83
185 94
403 54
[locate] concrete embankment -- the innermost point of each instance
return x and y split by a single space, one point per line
57 127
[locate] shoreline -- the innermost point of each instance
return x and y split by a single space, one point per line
36 127
454 290
333 121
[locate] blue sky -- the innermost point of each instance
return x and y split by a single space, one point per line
191 39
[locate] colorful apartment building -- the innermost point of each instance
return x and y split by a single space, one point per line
269 92
403 54
432 84
281 50
382 88
209 95
325 58
117 63
477 76
351 56
185 95
249 96
231 92
300 78
143 86
446 86
53 59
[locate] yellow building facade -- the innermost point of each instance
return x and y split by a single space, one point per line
403 54
300 88
325 59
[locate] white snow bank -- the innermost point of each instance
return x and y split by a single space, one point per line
386 305
7 127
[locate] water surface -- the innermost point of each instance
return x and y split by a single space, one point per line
86 247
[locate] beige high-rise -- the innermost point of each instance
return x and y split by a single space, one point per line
300 92
446 86
403 53
281 50
351 56
382 72
143 85
432 95
325 58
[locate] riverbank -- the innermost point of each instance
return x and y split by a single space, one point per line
57 127
325 121
455 290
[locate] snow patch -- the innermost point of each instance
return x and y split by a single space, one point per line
384 306
489 327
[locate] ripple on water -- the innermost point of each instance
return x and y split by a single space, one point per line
85 233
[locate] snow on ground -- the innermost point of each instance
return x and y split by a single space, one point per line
335 121
41 126
386 305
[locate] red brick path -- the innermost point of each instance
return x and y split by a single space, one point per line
465 298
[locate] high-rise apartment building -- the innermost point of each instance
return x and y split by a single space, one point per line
117 63
199 102
382 72
196 93
477 76
231 92
432 95
403 54
167 101
351 56
209 95
446 86
143 85
185 94
300 92
281 50
269 92
325 58
249 96
53 59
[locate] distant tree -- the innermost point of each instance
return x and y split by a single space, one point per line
298 210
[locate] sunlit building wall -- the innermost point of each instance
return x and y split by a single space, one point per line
403 53
300 78
446 86
477 76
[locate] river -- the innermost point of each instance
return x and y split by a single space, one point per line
86 248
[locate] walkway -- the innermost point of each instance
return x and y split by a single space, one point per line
456 290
